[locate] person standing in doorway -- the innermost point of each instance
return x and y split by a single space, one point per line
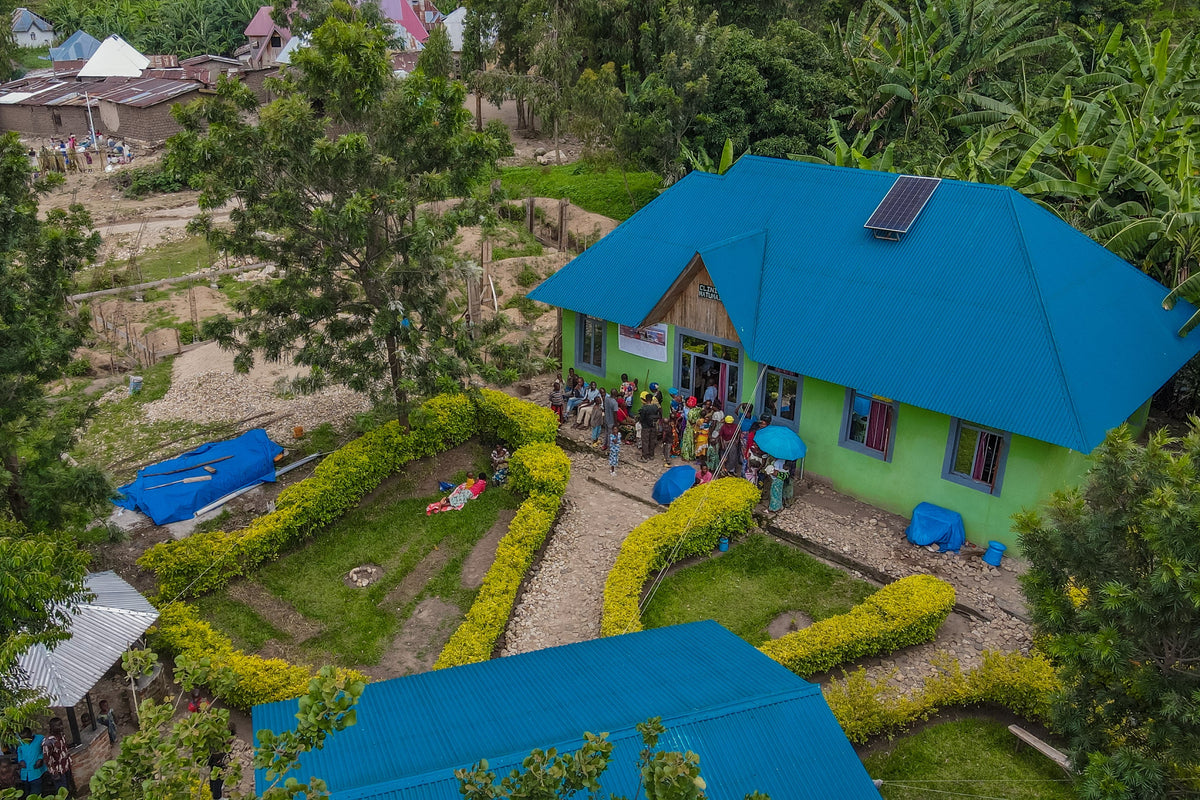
109 720
57 757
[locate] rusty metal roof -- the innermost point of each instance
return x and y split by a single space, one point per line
135 92
101 630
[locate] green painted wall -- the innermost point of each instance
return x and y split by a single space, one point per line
1033 469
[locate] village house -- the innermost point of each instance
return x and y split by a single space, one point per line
943 342
30 30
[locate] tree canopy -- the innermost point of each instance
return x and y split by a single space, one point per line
1114 593
328 185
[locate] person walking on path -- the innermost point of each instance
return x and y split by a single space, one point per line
649 415
614 450
610 414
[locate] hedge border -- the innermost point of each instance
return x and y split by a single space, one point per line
340 482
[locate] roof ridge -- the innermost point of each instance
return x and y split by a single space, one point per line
1027 260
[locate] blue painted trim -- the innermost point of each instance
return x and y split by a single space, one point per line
580 363
761 399
845 441
956 426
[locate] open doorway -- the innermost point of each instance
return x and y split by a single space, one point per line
710 369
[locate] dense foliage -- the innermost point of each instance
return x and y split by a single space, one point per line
38 261
182 27
1112 588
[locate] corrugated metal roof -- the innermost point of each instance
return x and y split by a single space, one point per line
101 630
80 45
137 92
23 19
991 308
755 725
115 57
263 24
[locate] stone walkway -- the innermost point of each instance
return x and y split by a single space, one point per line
563 602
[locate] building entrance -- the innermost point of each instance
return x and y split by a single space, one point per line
710 369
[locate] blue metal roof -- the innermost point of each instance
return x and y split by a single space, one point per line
79 46
755 725
24 19
991 308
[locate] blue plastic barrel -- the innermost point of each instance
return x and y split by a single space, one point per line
135 384
723 545
994 553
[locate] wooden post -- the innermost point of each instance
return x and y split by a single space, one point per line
529 205
562 223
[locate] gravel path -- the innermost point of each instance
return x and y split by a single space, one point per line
563 600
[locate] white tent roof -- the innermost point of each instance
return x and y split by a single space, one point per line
115 58
101 630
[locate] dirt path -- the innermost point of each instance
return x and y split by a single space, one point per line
564 598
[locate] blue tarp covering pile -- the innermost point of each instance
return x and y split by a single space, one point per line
236 463
936 525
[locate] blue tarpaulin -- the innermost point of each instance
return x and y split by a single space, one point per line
245 461
936 525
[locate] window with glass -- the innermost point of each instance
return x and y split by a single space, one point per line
590 343
975 457
781 395
868 424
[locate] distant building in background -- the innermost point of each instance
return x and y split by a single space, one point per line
30 30
410 30
267 40
454 22
77 49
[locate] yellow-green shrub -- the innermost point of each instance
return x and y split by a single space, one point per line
488 615
692 525
901 614
866 708
205 562
180 630
513 420
539 469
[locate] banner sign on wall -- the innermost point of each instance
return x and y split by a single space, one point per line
648 342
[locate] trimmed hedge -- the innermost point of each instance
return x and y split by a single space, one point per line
695 522
205 562
476 637
539 469
180 630
513 420
901 614
866 708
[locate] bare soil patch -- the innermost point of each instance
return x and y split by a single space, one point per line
479 560
415 581
279 613
424 635
788 622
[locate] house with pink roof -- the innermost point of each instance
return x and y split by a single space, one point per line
411 31
266 37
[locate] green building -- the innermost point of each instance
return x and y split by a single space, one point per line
941 342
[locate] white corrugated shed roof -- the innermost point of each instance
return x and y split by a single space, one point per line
115 58
101 630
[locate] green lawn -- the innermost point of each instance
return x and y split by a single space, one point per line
29 58
750 585
356 625
597 189
173 259
968 758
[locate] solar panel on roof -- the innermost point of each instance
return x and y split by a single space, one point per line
900 207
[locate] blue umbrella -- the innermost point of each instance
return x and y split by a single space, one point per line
780 442
673 483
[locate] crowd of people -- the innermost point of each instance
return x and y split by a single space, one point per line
695 430
73 155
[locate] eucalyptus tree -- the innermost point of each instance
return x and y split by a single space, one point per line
327 183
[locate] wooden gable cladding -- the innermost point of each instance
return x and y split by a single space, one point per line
688 304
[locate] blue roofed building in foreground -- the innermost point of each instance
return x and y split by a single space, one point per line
755 725
970 362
